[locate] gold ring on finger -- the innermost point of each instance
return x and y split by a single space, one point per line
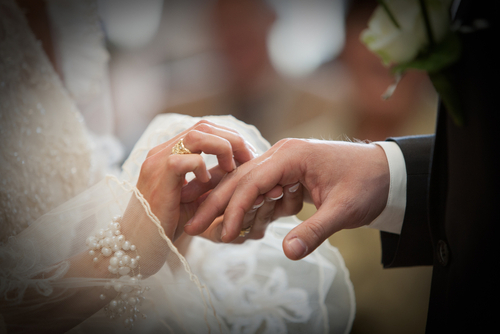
245 231
179 148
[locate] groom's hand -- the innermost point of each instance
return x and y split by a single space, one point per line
348 183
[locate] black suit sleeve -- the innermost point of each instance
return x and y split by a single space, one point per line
413 246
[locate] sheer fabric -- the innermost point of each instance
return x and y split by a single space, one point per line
82 60
50 204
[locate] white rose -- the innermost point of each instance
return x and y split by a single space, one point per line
401 45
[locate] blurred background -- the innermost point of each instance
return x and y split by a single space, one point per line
291 68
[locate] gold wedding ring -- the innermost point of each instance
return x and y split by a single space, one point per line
245 231
179 148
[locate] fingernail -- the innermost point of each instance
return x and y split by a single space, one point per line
223 233
189 222
294 188
209 175
298 247
256 206
275 198
234 164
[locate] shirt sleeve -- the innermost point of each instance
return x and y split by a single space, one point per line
391 219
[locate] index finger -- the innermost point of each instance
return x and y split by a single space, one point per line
215 204
260 180
237 192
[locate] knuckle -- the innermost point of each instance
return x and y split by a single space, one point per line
154 150
151 153
198 163
199 160
246 179
290 147
201 122
216 204
238 139
282 142
288 142
192 136
204 121
227 150
172 161
148 165
203 126
226 144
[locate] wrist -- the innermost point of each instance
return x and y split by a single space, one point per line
382 172
141 231
391 218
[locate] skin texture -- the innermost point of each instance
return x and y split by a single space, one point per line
347 182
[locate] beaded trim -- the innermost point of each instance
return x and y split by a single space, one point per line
111 243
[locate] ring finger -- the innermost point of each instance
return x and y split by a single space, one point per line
197 142
241 149
264 214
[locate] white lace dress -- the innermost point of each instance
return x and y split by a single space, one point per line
54 195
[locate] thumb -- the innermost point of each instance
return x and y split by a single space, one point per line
311 233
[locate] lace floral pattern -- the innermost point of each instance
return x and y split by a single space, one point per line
250 307
247 299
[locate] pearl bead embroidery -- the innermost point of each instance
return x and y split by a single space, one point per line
110 243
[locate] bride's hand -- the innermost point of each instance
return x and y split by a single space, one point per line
162 178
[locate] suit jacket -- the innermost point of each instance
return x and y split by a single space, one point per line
453 192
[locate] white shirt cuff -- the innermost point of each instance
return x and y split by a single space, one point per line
391 219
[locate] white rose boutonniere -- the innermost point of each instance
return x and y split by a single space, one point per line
416 34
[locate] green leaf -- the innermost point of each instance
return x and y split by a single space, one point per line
432 61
